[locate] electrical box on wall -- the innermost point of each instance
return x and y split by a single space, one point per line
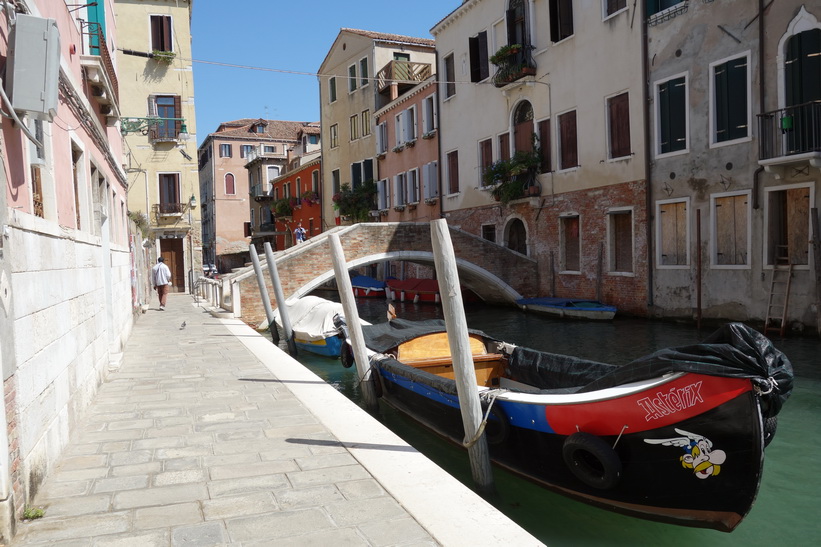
33 69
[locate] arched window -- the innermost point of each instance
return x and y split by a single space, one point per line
523 127
802 66
230 185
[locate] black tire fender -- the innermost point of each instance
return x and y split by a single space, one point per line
497 428
346 356
592 460
376 382
770 425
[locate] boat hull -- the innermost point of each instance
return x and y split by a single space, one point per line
327 347
569 308
654 481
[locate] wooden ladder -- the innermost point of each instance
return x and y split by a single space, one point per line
779 293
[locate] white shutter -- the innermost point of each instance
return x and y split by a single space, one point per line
379 143
431 180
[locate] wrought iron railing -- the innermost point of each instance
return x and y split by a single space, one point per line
166 209
402 72
789 131
98 46
516 65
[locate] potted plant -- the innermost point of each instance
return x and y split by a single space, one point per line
504 52
282 207
310 197
164 57
356 203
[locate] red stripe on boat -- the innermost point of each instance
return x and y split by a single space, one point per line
661 406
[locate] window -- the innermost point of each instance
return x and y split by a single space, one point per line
361 171
429 114
673 233
352 78
413 186
430 174
568 152
620 231
298 186
170 193
571 243
731 237
354 127
363 72
273 172
516 19
453 172
161 33
169 108
405 128
315 181
611 7
655 6
270 149
561 20
450 77
286 190
258 128
334 136
787 222
671 98
332 89
485 158
731 116
399 190
477 46
335 184
246 150
382 138
504 146
383 198
230 185
489 232
366 122
618 118
544 146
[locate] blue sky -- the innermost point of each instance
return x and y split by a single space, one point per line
278 34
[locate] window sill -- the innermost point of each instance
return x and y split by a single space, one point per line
673 266
730 267
742 140
570 272
672 154
622 274
614 14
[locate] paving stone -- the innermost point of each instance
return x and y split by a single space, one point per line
337 537
232 487
277 525
237 506
363 511
157 538
358 490
136 469
326 460
308 497
78 505
168 515
202 534
159 496
252 469
52 530
179 477
393 532
330 475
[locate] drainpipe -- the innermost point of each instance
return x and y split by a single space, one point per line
322 147
439 138
761 87
647 164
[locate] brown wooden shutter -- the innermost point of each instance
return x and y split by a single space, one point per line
544 145
177 114
504 146
567 132
166 33
620 126
453 172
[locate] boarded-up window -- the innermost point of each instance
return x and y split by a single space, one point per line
621 241
230 185
571 244
673 233
618 109
731 215
544 146
788 225
485 158
450 77
453 172
569 156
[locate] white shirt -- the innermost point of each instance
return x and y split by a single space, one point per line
160 274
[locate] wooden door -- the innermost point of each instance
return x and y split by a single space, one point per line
172 251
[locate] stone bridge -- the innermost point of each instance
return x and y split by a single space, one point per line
495 273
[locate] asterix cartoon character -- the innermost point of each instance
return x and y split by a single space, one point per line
699 454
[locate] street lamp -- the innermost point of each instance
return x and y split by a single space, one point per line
192 204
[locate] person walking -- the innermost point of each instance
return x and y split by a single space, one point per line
161 279
299 234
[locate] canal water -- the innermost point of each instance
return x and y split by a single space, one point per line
787 510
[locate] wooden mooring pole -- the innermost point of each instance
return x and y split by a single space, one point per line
360 353
816 253
263 293
280 296
459 342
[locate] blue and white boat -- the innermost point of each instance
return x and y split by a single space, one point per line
312 320
573 308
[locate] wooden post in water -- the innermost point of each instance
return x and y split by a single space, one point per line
263 292
461 355
360 354
280 296
698 269
816 254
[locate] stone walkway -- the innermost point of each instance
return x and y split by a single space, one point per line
199 439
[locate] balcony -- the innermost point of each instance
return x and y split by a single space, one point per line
165 213
259 193
513 63
790 137
99 70
402 75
